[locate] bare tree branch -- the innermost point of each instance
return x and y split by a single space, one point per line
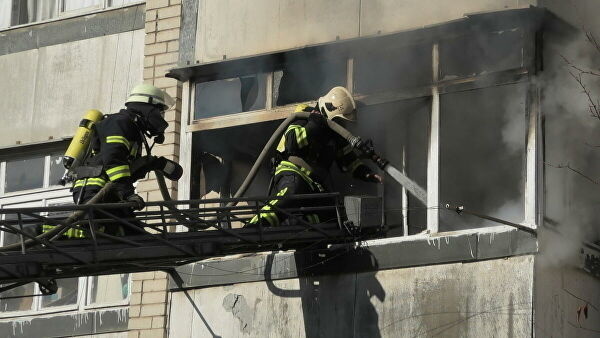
579 69
593 107
592 39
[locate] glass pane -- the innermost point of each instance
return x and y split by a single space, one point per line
486 53
70 5
5 11
482 155
391 69
304 79
29 225
222 97
17 304
24 174
27 11
66 294
57 169
115 3
109 289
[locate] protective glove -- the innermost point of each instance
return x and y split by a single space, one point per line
123 188
372 177
137 201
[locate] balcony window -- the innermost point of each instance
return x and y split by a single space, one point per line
482 154
306 79
230 96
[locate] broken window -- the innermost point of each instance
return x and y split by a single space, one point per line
387 69
229 96
482 154
486 53
24 174
399 131
221 159
304 78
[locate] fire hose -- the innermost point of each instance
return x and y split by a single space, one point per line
364 147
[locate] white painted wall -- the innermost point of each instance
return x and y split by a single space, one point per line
44 92
236 28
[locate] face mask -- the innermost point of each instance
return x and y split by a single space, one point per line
155 122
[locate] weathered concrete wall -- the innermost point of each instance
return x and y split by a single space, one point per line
480 299
233 28
561 289
45 91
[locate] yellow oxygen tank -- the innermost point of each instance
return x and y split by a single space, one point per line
81 140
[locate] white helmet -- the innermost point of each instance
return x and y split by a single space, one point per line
147 93
338 102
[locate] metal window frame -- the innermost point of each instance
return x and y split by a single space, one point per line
232 117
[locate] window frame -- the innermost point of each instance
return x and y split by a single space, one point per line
42 197
59 14
524 73
268 100
46 186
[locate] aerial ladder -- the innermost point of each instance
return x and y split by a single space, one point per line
175 233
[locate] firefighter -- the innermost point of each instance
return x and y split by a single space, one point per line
306 151
116 142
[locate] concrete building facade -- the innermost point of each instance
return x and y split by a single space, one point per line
470 98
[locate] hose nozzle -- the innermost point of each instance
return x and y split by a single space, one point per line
368 150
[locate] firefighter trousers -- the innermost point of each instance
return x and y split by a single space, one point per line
290 179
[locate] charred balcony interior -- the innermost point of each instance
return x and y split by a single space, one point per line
419 102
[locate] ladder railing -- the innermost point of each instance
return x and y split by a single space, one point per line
167 234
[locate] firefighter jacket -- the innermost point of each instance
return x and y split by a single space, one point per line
116 142
317 146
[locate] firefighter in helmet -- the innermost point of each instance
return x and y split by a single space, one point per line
306 151
116 143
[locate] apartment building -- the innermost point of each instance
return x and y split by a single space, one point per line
473 100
